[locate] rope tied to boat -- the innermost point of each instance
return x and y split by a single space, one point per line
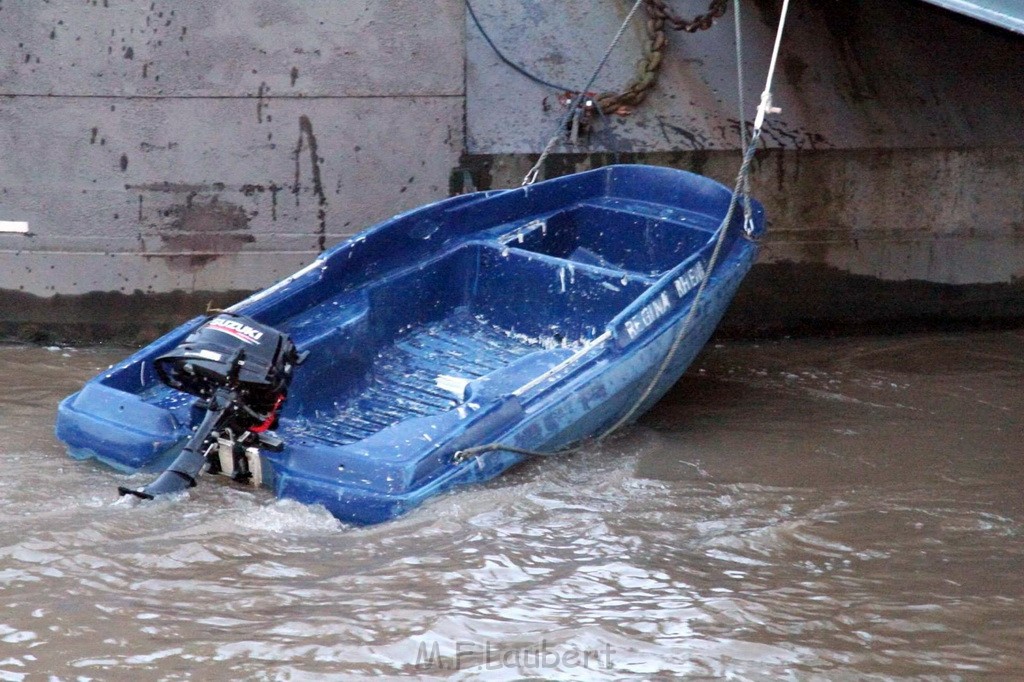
531 175
740 189
748 211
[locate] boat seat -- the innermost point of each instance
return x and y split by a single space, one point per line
508 379
613 234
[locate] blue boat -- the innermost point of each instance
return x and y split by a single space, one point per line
524 319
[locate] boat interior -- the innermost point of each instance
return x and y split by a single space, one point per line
477 316
420 341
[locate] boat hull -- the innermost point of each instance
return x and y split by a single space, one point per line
581 410
532 318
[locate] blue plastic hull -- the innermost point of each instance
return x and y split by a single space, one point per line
534 318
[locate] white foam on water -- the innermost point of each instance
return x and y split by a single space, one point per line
289 516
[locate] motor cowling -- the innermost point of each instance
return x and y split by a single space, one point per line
232 350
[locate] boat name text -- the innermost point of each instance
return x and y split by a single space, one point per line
648 315
656 309
690 279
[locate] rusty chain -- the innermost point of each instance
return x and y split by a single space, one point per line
622 103
659 16
658 9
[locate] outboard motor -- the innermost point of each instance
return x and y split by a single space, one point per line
240 369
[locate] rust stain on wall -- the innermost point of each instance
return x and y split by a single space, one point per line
307 140
201 231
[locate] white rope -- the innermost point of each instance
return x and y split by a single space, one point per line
531 175
766 97
748 156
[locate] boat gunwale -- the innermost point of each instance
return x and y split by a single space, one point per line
462 473
615 368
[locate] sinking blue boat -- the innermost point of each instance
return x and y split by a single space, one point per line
533 318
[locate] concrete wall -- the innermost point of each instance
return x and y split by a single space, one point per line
167 154
893 179
210 148
853 74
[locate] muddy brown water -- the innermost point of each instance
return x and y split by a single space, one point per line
833 510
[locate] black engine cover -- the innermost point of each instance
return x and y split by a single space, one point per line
210 357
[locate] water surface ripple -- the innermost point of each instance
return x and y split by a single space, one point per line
810 510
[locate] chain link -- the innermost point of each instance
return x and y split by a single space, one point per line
659 16
658 9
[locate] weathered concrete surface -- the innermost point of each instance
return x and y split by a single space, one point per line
183 152
892 179
852 74
820 300
215 146
869 239
936 215
172 187
104 316
232 48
